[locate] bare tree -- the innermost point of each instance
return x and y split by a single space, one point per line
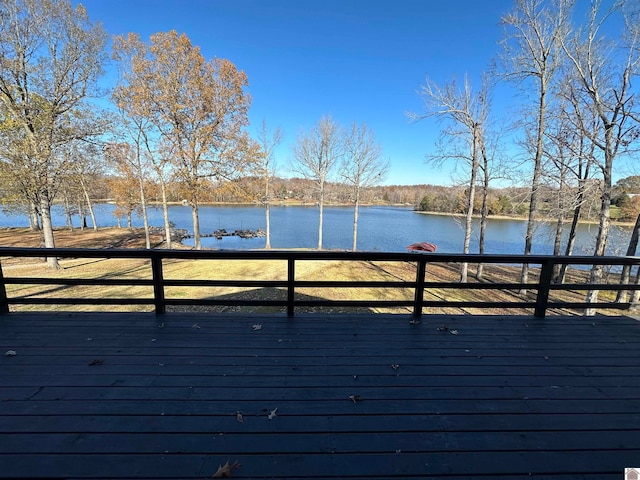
603 68
315 154
362 166
268 141
50 58
466 112
532 56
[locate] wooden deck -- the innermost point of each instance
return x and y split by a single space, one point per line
139 396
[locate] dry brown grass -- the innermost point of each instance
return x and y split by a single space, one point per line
250 270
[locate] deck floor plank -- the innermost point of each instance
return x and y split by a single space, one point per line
126 396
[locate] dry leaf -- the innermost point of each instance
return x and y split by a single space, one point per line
225 470
443 328
453 332
395 366
10 353
414 321
195 325
355 398
256 326
239 417
272 414
96 361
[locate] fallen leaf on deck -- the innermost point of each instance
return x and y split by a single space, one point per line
10 353
225 470
96 361
453 332
195 325
415 321
256 326
395 366
272 414
443 328
239 417
355 398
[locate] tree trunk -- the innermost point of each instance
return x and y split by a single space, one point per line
34 217
196 226
604 223
356 214
535 182
145 218
557 240
484 213
47 231
67 213
557 244
143 199
626 269
129 223
267 219
89 205
571 240
165 213
464 268
321 216
267 210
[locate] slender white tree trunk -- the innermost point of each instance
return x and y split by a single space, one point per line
67 213
464 268
267 209
321 218
196 227
267 212
165 213
89 205
356 214
145 217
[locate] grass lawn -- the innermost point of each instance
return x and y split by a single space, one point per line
245 270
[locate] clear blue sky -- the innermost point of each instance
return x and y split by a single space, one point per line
356 60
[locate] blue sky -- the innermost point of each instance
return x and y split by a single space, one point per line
357 60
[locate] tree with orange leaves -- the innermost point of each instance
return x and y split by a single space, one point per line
197 107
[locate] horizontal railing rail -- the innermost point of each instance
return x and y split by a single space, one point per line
543 284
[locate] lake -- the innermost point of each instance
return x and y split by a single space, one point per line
381 228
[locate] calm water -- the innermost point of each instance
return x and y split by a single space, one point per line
388 229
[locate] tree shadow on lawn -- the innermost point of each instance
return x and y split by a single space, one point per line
265 294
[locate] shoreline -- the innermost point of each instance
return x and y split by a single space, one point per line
524 219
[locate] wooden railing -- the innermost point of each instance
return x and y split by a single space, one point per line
542 286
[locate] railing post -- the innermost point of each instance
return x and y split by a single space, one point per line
158 283
542 299
291 291
418 296
4 301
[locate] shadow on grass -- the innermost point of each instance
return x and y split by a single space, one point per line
264 294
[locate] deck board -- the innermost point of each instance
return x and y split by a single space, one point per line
138 396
